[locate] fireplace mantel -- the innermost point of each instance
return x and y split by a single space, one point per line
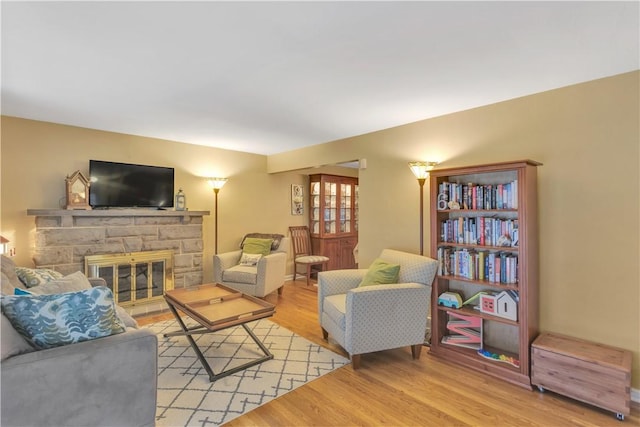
64 237
113 212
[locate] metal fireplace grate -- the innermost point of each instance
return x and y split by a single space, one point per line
135 277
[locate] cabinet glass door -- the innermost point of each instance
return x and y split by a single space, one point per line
345 208
331 206
315 208
355 208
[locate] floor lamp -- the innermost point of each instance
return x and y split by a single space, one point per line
421 172
216 184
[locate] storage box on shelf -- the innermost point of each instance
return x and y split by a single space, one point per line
484 234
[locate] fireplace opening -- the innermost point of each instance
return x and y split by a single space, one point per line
135 277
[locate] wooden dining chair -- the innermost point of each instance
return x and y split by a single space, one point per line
303 253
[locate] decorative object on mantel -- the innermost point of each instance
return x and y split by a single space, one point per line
297 199
181 201
216 184
77 191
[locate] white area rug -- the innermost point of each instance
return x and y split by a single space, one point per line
187 398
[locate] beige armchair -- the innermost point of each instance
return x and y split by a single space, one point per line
258 280
377 317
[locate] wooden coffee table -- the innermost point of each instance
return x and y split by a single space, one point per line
216 307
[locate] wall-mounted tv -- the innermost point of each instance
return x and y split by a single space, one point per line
124 185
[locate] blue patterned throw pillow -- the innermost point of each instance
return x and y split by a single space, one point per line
53 320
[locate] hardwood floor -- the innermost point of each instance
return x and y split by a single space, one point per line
392 389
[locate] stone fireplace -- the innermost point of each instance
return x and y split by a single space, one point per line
65 239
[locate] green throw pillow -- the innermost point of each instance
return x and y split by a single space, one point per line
381 273
53 320
31 277
254 245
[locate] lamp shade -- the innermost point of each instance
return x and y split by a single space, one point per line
421 169
217 183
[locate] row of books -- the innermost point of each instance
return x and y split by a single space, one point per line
495 267
480 231
476 196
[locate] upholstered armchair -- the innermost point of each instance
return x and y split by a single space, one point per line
380 316
258 280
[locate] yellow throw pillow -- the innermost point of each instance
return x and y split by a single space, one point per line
381 273
254 245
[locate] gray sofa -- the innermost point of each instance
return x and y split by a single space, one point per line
110 381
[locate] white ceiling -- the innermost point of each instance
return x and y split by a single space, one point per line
269 77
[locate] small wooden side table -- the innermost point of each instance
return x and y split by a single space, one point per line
593 373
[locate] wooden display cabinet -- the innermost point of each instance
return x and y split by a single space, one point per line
333 218
484 232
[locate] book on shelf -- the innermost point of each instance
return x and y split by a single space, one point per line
471 264
451 340
484 231
480 197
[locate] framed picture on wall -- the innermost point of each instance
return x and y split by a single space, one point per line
297 199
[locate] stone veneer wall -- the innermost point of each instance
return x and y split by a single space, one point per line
64 237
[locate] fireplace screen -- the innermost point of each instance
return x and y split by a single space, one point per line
136 277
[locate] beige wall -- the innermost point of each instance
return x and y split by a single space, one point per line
36 157
587 137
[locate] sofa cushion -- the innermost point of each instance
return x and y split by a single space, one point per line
381 273
12 342
126 318
9 277
6 288
73 282
31 277
53 320
241 274
254 245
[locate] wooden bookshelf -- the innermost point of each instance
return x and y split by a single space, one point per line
479 195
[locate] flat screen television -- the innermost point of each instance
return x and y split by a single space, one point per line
124 185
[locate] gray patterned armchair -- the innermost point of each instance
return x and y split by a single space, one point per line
379 317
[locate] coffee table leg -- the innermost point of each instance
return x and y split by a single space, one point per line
180 333
205 365
257 341
267 356
212 376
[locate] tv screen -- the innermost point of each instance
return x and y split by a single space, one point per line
124 185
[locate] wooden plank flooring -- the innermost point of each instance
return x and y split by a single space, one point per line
392 389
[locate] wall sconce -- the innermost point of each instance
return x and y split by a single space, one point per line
216 184
421 172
